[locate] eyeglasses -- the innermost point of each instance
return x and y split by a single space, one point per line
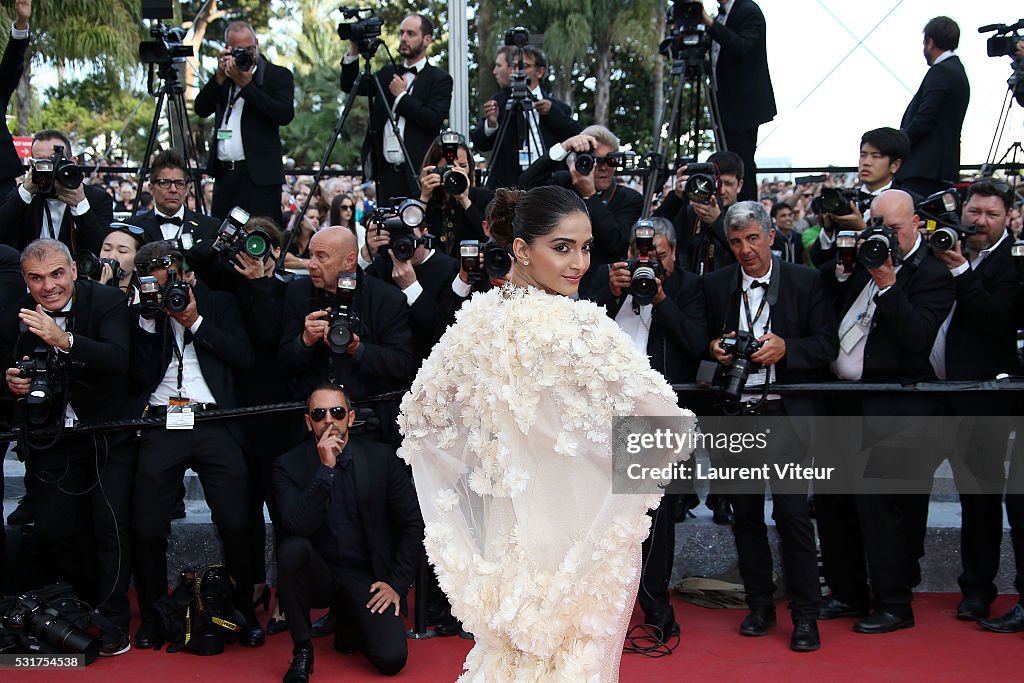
337 412
165 183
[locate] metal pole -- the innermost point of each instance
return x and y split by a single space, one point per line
458 65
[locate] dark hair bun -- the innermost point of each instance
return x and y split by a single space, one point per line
500 213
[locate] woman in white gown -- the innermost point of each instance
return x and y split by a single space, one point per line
508 429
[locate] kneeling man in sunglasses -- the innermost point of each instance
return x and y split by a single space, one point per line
353 537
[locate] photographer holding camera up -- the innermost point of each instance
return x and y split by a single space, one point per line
67 343
54 203
779 309
252 99
454 204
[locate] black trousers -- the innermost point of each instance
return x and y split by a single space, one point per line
307 581
744 142
235 188
659 549
213 453
83 495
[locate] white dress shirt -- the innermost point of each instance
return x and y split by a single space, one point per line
171 231
232 148
637 326
762 326
721 18
50 229
70 416
193 385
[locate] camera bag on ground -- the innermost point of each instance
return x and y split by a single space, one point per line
200 615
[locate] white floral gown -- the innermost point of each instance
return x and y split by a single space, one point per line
508 432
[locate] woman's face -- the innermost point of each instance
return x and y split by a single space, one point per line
120 247
555 262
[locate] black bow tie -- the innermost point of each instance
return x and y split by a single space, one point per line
757 283
402 70
863 196
173 220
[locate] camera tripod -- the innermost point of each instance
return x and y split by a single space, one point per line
519 107
170 97
691 67
1015 152
366 52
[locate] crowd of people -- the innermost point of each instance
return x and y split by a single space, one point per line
195 308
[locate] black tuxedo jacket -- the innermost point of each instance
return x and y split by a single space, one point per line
199 226
221 345
97 363
21 223
745 95
425 110
678 334
388 508
269 104
797 246
933 121
451 224
12 284
801 314
981 341
11 67
906 319
700 251
427 315
557 125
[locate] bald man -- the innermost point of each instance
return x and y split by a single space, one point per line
379 357
889 317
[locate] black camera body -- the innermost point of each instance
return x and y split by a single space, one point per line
940 213
701 182
90 266
645 269
31 614
878 242
517 36
233 239
484 261
688 40
585 161
243 58
399 219
1004 42
741 347
47 173
173 296
167 47
341 319
46 372
836 201
454 182
364 32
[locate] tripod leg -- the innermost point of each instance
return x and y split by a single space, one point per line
154 128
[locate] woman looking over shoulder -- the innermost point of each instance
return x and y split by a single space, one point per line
508 429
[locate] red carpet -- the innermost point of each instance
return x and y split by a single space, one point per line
939 648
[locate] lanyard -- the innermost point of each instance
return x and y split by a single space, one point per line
179 354
760 309
231 103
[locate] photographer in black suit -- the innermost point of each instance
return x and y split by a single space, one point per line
252 99
11 67
184 362
79 330
548 121
784 307
353 537
934 118
452 218
978 341
78 217
171 219
380 356
739 62
672 331
418 96
889 317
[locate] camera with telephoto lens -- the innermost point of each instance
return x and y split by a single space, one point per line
364 32
47 173
399 219
877 243
46 372
940 213
484 261
31 615
341 319
173 296
836 201
90 267
741 347
701 183
453 181
645 269
233 239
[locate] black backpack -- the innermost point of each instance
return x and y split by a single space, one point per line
200 615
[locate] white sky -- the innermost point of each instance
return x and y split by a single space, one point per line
805 42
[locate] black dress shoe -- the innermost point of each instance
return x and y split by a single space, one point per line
148 637
722 512
758 621
275 626
1011 622
883 622
252 634
25 513
448 627
324 626
833 609
972 609
301 667
805 636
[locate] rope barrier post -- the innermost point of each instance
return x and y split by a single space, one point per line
419 630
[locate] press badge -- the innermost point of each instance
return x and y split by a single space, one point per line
186 241
223 134
179 413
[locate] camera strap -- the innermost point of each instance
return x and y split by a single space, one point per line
179 354
751 321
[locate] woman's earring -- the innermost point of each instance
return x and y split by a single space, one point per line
526 262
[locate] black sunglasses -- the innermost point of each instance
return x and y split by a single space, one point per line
337 412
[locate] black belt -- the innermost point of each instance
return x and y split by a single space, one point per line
161 411
231 165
